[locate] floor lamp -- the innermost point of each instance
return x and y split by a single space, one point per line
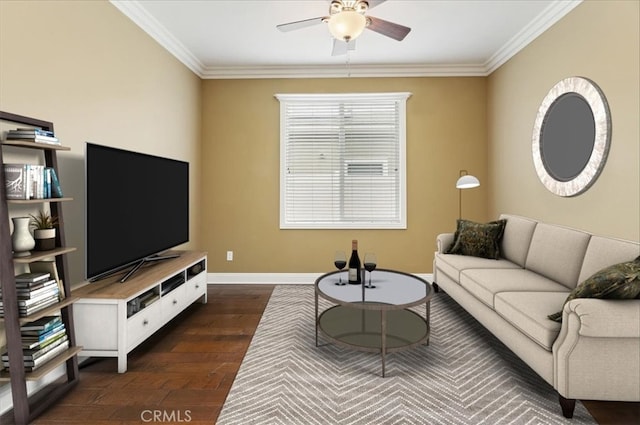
465 181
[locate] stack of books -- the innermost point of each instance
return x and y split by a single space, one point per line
35 291
49 266
42 340
31 181
36 135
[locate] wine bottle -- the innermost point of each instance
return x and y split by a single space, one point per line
354 265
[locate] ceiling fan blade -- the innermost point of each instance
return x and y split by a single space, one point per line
341 47
292 26
374 3
390 29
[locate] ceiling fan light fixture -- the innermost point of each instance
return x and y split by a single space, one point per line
347 25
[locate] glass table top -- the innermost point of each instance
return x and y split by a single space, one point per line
397 289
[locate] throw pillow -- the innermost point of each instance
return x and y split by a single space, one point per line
478 239
619 281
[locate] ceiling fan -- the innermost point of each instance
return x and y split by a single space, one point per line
346 21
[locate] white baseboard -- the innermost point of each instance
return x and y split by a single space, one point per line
276 278
263 278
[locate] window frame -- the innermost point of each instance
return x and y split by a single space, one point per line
400 222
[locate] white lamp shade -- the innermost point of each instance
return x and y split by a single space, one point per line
467 182
347 25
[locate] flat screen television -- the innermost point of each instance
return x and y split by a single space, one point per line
136 207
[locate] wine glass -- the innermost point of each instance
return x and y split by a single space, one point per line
340 261
370 263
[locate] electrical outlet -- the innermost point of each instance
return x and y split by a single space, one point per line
229 255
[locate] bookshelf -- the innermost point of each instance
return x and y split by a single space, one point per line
26 408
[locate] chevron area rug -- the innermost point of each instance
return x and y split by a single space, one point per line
464 375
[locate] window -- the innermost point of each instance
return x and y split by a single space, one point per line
342 161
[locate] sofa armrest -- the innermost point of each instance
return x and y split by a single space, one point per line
444 241
592 353
606 318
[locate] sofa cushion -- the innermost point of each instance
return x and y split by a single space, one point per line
516 238
557 253
619 281
452 265
478 239
528 312
603 252
485 284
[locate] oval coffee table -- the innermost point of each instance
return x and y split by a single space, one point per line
375 319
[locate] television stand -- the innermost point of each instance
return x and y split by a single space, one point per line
144 261
112 319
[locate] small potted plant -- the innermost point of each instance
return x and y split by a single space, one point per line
44 230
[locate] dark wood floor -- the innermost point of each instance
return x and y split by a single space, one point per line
184 372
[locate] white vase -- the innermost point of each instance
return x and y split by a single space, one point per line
21 238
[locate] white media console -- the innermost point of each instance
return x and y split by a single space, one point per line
112 318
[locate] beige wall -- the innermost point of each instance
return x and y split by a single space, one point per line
98 77
598 40
446 128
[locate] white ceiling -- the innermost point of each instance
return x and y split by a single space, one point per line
239 39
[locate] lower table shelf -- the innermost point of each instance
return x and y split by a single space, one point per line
362 329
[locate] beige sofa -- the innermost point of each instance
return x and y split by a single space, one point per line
594 354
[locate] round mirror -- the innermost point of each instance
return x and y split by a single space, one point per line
571 136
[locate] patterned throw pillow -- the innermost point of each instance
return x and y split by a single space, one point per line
620 281
477 239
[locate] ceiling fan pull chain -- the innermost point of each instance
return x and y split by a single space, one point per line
348 63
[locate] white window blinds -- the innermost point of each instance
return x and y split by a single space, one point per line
342 161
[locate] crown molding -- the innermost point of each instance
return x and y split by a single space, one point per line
342 71
139 15
548 17
545 20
